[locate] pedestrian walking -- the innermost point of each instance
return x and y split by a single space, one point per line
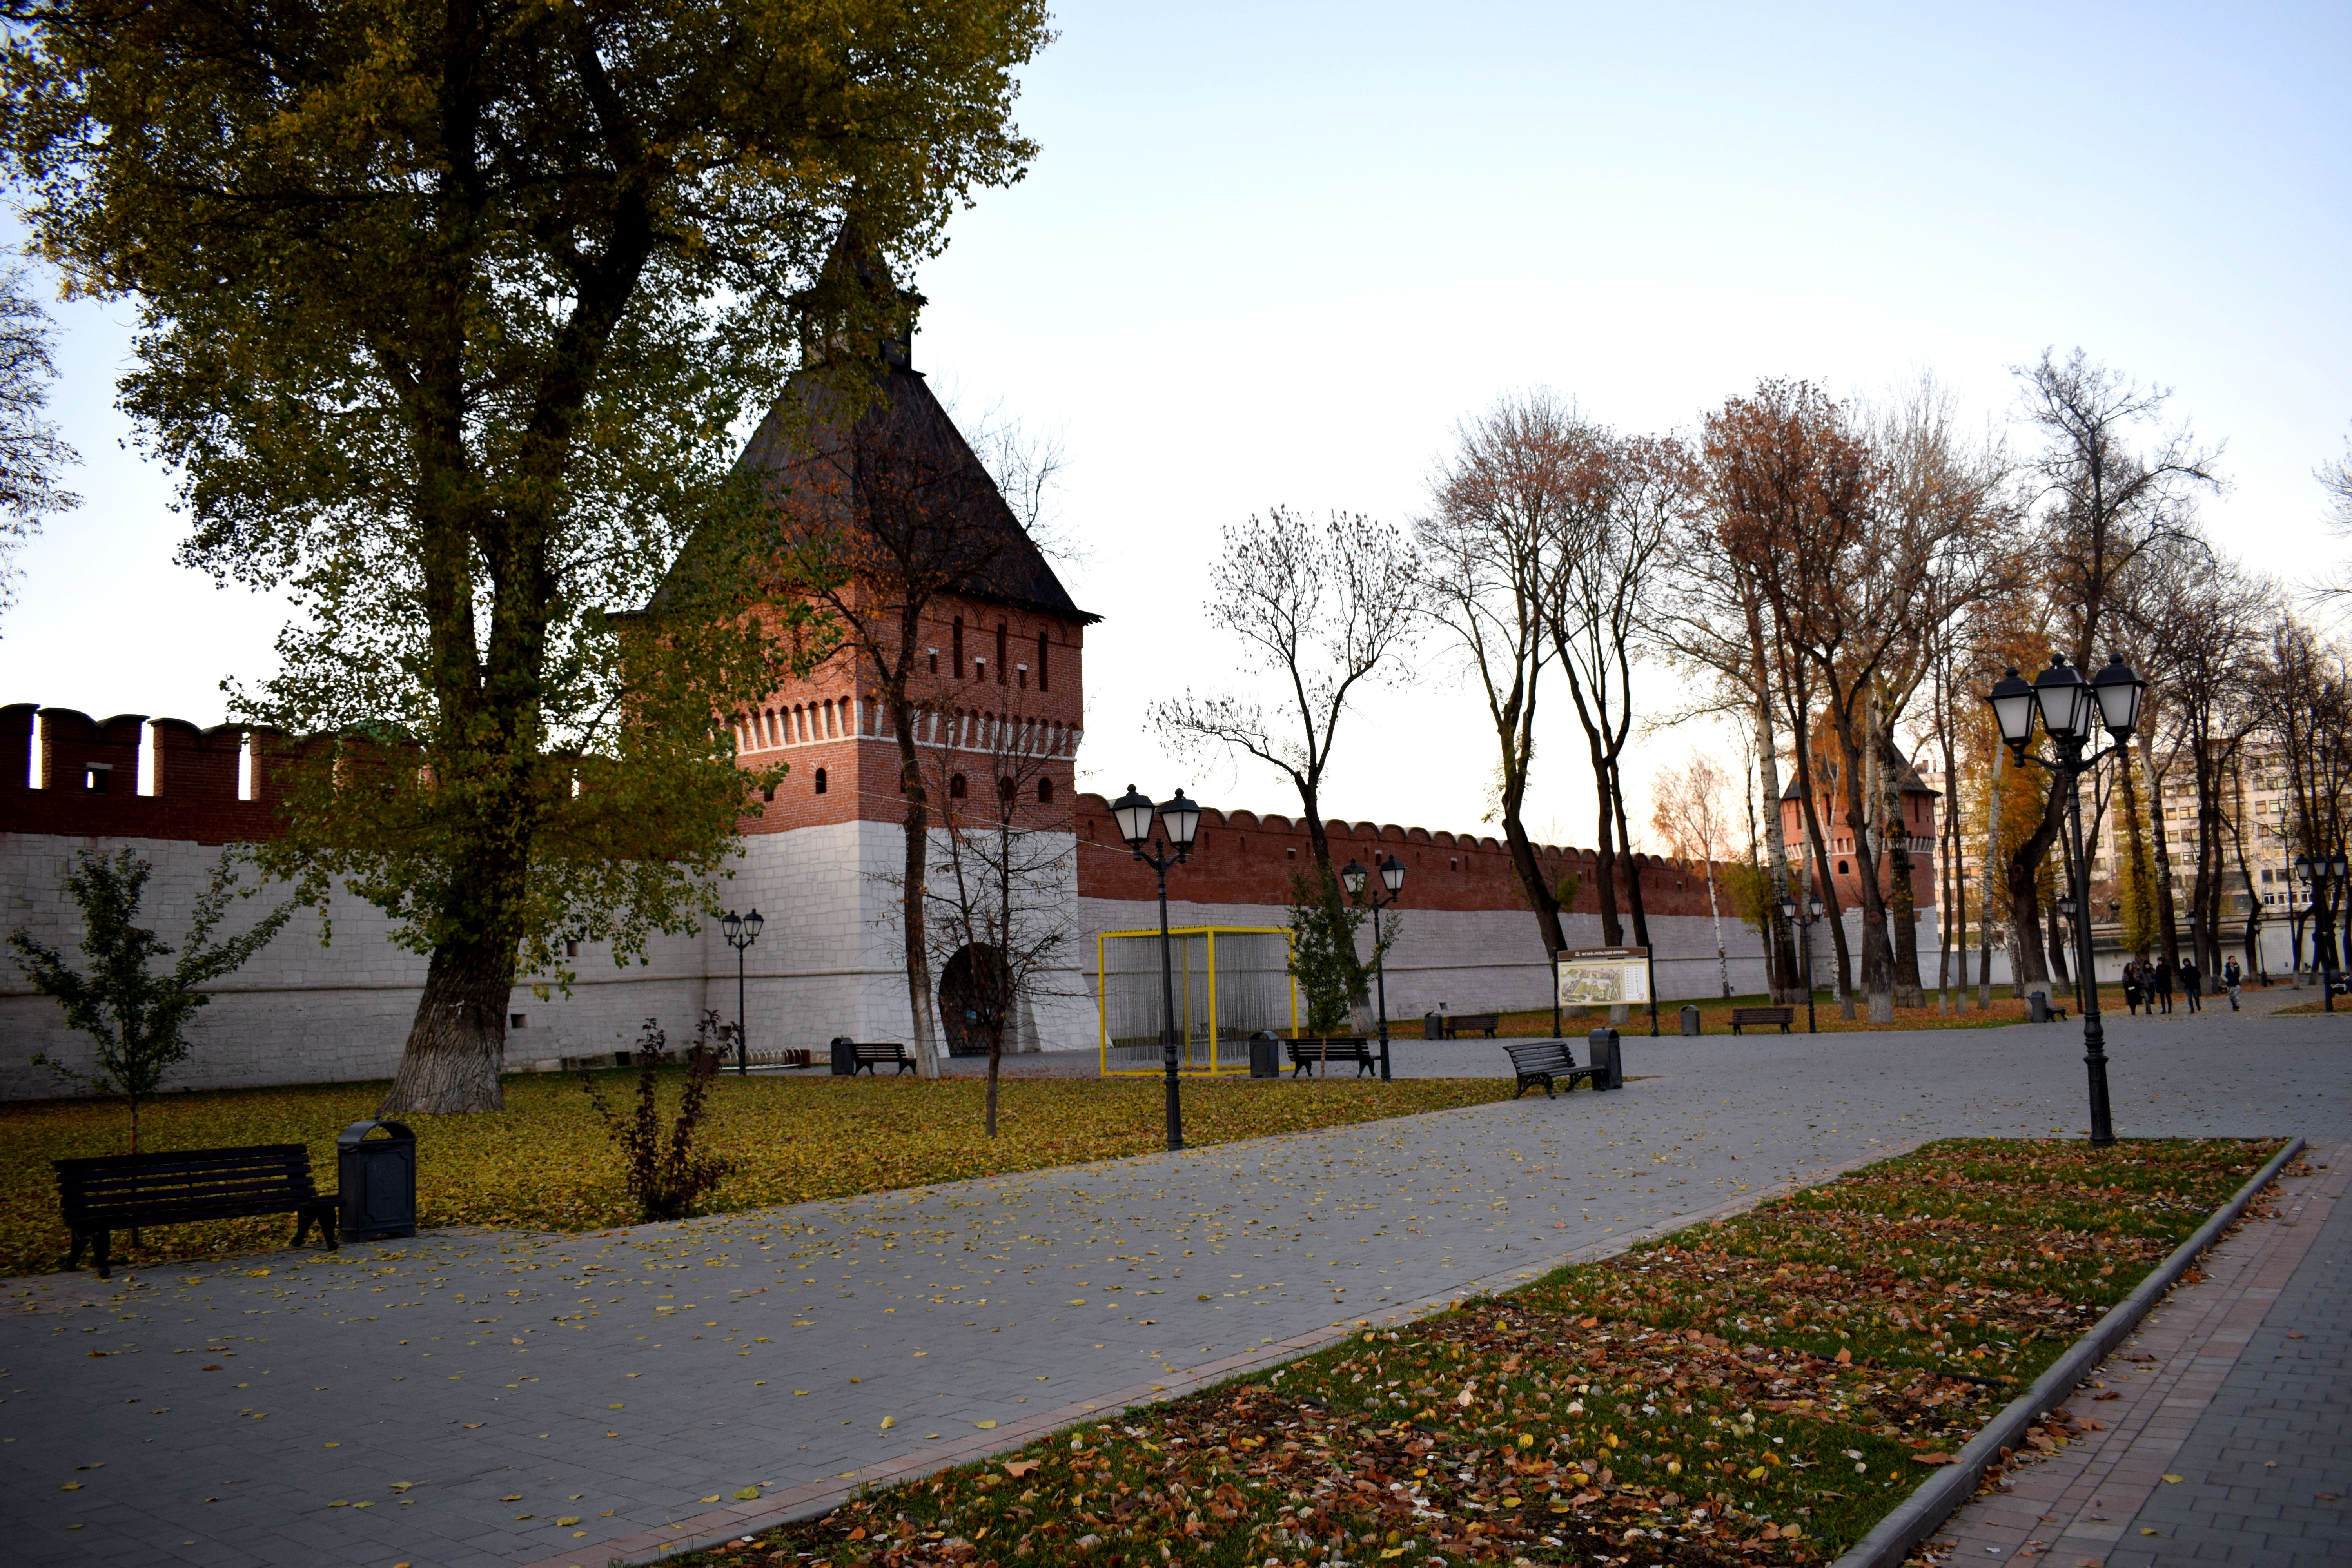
2131 987
2164 984
2234 980
2193 985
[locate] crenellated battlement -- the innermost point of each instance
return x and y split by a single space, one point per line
1245 858
63 771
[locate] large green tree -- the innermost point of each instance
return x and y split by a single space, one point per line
446 312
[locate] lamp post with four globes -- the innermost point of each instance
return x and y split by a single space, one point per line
2074 709
1181 819
1805 923
1353 878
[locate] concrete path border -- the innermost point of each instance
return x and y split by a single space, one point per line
1935 1500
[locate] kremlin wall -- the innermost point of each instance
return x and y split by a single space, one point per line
826 964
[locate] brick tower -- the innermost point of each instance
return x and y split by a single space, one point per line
903 501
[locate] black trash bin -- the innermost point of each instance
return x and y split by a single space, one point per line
1265 1056
1606 1053
844 1057
1690 1020
2037 1006
1433 1026
375 1181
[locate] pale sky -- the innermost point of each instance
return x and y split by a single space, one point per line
1272 253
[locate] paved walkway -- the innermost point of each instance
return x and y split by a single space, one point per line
2224 1434
591 1394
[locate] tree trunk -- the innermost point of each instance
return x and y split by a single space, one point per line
1783 970
1531 880
915 870
1877 951
1985 884
457 1046
1714 916
2167 928
1605 870
1633 861
1826 886
2025 873
1903 910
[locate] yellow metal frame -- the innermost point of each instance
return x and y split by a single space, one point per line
1102 997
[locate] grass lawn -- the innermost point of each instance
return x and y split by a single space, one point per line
1760 1389
545 1162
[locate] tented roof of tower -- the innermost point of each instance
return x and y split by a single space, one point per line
797 449
1908 781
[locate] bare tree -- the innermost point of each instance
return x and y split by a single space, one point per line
1940 505
1002 865
2304 686
1321 608
1689 816
2099 502
1490 563
1790 481
1629 493
2205 630
32 453
2336 478
1711 624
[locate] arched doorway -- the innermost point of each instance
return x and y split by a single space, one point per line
960 993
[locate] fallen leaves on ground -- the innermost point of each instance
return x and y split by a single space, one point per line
543 1163
1759 1390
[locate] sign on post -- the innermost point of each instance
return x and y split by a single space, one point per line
1605 977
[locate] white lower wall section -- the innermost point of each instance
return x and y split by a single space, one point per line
827 962
1483 961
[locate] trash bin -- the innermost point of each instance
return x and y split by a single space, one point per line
1433 1026
375 1181
1266 1055
1606 1053
2037 1006
1690 1020
844 1057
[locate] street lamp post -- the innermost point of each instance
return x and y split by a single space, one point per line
2074 709
1805 923
1392 878
742 932
2318 873
1182 820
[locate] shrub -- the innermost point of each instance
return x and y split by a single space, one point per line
667 1176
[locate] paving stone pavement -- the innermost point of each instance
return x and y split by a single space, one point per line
2152 1401
2266 1471
590 1393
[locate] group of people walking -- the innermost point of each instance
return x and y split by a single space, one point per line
2153 985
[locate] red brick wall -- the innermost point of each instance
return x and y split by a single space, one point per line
838 705
195 793
1241 857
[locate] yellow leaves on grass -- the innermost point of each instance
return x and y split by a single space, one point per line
544 1163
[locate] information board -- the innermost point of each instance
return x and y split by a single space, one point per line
1603 976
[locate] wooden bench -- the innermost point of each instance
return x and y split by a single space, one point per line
121 1192
870 1056
1459 1024
1305 1055
1551 1061
1761 1017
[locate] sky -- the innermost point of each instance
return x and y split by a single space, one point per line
1272 254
